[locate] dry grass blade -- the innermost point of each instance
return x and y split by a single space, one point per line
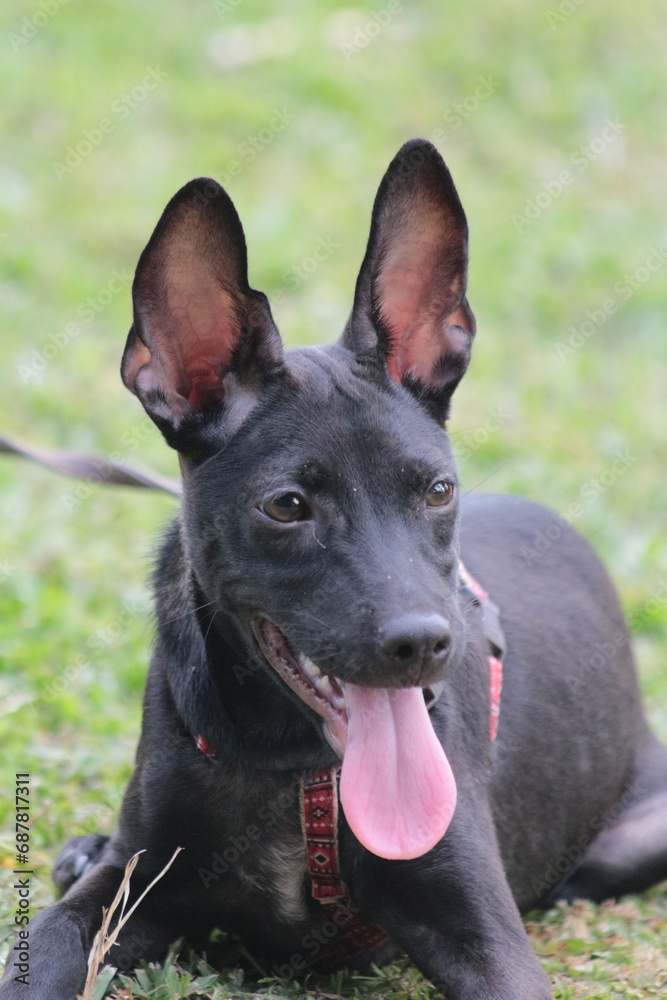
104 940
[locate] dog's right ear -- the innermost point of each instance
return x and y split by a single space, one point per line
203 343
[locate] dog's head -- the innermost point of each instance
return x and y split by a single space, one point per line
320 493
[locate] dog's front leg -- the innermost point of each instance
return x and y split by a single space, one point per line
61 938
453 913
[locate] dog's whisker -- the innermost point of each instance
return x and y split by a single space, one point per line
210 625
188 613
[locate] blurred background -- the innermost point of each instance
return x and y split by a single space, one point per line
552 118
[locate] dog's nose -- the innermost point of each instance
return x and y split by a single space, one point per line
415 645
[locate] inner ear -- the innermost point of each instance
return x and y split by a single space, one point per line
410 307
201 335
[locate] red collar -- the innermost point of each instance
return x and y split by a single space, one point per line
350 935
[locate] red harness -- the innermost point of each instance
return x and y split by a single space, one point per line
496 640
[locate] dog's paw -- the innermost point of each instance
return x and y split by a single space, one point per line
79 855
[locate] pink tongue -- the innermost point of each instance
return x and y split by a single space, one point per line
396 787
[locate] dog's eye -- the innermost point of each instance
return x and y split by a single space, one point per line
286 507
440 494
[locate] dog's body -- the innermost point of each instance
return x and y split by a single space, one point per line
321 526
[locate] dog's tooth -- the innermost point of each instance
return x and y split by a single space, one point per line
323 684
338 702
311 669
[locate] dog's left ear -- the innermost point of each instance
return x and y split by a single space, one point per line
410 311
203 344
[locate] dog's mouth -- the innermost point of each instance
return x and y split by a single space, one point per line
322 692
397 788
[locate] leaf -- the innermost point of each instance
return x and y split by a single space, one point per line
104 977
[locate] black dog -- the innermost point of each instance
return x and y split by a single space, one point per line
310 601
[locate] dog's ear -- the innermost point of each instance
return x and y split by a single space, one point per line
410 311
203 342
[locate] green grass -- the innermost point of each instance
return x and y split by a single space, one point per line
533 416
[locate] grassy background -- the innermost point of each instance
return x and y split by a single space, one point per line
514 94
